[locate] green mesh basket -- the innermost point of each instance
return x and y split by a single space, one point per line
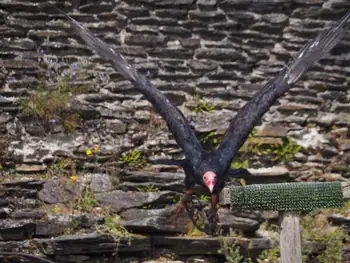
283 197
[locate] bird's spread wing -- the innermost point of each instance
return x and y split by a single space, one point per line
176 121
247 117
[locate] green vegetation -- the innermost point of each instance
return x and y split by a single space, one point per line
284 153
314 230
232 253
203 106
210 138
318 230
148 188
133 159
64 166
51 107
112 228
238 163
50 104
279 153
204 198
200 105
87 201
71 123
271 255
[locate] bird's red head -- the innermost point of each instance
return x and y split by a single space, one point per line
209 179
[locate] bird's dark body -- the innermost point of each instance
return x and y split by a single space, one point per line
197 161
208 161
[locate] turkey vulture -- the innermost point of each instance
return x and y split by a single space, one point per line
210 169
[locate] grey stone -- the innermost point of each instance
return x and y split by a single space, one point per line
27 213
188 246
24 168
170 3
207 16
227 221
175 13
190 42
62 190
11 229
100 183
145 40
219 54
5 212
83 244
201 66
175 31
22 44
5 117
120 200
207 3
176 185
133 11
170 53
155 221
154 21
210 34
55 225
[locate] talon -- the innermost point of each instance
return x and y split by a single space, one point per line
186 197
180 209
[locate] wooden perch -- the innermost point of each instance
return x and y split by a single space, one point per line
225 193
289 199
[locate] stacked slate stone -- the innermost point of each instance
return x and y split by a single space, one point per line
219 50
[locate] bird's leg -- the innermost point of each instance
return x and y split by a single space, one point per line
212 217
214 201
185 198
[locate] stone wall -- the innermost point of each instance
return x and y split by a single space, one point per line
222 51
219 52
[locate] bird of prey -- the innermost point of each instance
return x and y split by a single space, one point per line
205 168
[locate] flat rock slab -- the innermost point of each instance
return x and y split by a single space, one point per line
133 181
149 177
270 171
164 221
11 229
55 225
187 246
119 200
228 220
62 190
100 183
92 244
79 244
36 184
156 221
25 168
177 186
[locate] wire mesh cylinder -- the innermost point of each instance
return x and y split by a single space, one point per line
287 197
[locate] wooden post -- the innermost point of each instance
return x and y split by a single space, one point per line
283 199
290 238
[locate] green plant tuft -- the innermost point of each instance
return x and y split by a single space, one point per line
320 231
112 228
231 251
238 163
148 188
210 138
286 152
58 85
200 105
133 159
87 201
